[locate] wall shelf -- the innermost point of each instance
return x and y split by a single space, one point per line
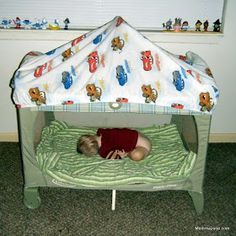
155 36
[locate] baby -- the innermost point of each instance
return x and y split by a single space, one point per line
115 143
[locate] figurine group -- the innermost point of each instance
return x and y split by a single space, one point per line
17 23
179 26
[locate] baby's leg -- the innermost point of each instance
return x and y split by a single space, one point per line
138 153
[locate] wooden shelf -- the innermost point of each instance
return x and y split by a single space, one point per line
154 36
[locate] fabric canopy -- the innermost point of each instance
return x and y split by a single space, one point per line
114 63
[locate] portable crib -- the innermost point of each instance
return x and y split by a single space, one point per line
49 127
194 131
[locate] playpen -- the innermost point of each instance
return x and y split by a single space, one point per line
51 119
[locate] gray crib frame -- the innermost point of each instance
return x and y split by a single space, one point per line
194 130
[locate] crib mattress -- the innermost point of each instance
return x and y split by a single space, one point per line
58 158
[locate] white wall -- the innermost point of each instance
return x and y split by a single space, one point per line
218 51
102 11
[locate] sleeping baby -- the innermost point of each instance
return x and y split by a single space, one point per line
115 143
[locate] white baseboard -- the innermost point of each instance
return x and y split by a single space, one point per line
9 137
222 138
214 137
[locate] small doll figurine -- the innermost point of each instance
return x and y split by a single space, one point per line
5 23
168 25
185 26
198 25
17 22
205 25
177 24
37 25
27 24
66 22
216 26
44 24
54 26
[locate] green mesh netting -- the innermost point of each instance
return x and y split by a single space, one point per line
57 156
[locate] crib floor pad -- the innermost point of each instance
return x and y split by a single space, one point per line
57 157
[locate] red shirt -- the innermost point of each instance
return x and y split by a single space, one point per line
117 139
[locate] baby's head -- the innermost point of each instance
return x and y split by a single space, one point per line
88 145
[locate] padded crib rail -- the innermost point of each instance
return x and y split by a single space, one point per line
118 107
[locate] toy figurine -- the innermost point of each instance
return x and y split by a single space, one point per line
5 23
205 25
185 26
177 24
216 26
54 26
198 25
66 22
17 22
27 24
168 25
44 24
37 25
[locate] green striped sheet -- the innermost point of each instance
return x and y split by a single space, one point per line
57 157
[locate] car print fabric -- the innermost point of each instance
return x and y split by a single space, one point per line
114 63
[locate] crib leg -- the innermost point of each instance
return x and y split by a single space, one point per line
113 204
198 201
32 199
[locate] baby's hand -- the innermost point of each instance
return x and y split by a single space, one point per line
117 154
122 153
112 155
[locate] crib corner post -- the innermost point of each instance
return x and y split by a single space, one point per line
32 199
198 201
